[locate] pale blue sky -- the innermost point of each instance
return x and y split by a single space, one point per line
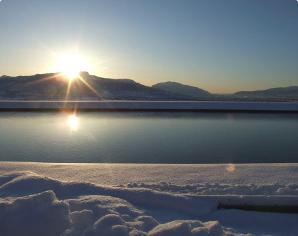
219 45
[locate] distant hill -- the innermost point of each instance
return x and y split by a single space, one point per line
182 89
53 86
273 93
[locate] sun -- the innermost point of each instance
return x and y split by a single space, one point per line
69 67
71 64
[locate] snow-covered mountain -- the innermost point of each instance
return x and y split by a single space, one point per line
277 93
54 86
183 90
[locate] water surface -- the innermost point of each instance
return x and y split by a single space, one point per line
147 137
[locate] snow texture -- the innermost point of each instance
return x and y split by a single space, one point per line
33 204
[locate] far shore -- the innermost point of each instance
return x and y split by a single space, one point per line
158 106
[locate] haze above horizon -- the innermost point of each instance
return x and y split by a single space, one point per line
220 46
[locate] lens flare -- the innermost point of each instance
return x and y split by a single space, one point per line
231 168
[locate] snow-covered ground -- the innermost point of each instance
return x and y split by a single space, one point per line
155 200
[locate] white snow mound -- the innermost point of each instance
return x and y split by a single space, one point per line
33 205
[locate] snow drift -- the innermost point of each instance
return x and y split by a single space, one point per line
33 205
59 199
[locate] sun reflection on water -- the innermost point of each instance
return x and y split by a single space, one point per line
73 122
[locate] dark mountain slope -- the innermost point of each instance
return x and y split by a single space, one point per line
54 86
182 89
277 93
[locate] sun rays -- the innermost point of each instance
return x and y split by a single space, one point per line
71 70
71 64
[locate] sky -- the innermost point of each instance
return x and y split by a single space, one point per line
222 46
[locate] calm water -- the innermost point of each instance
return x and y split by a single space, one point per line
149 137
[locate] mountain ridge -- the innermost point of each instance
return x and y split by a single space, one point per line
278 92
50 86
90 87
182 89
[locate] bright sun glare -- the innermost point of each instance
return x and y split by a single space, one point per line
71 65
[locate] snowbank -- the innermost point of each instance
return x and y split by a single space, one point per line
34 204
221 189
39 214
252 179
28 183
